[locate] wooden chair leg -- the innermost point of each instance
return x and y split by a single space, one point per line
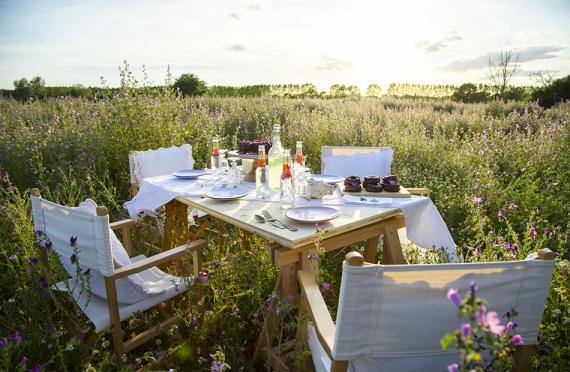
523 355
371 249
392 250
115 318
339 366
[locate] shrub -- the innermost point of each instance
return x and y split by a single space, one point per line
558 90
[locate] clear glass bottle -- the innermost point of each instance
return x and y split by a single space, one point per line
287 194
275 158
299 158
262 190
298 166
215 160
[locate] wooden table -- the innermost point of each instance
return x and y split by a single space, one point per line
291 251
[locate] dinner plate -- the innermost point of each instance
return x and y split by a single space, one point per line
190 173
227 192
312 214
327 178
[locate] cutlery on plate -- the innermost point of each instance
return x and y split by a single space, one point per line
269 218
260 219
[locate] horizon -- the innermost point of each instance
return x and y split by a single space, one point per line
266 42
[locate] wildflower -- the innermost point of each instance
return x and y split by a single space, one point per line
548 232
481 312
507 246
5 177
514 246
501 213
453 368
204 276
12 257
511 326
73 258
36 367
493 323
215 264
477 199
3 342
48 244
16 337
326 286
533 233
473 288
453 296
517 340
73 240
465 329
514 255
255 315
24 360
43 282
512 206
32 260
218 366
37 232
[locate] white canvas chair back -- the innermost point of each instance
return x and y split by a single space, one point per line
359 161
393 317
93 236
159 162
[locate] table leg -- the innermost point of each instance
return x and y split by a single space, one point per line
392 253
371 249
176 231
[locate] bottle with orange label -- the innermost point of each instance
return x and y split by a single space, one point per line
287 195
262 175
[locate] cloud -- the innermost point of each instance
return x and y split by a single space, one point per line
254 7
234 16
526 55
332 63
237 48
437 45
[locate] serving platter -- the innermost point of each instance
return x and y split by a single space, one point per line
403 193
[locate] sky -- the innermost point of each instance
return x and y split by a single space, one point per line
269 42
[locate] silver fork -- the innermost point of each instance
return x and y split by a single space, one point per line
268 217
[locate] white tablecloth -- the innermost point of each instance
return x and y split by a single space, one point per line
424 225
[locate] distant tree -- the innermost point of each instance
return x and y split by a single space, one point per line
373 90
502 67
341 90
469 93
542 77
558 90
190 85
24 89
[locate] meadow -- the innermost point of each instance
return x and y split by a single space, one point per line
499 173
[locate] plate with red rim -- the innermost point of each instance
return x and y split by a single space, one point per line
312 214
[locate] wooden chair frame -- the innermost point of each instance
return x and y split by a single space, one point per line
313 306
120 345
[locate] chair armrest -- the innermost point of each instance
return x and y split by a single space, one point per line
421 191
320 315
122 224
158 259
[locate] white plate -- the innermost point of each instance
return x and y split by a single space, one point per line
227 192
190 173
312 214
327 178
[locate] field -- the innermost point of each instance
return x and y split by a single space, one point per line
514 156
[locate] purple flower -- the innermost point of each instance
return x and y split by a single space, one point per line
501 213
255 315
481 312
477 199
24 360
511 326
473 288
533 233
326 286
16 337
493 323
465 329
204 276
12 257
43 282
453 368
514 255
517 340
507 246
514 246
548 232
453 296
215 264
512 206
48 244
37 232
3 342
5 177
73 240
73 258
36 367
218 366
32 260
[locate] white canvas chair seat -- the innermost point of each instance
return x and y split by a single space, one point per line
358 161
97 308
392 318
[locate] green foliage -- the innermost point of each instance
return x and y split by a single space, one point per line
24 89
190 85
469 93
558 90
342 91
373 90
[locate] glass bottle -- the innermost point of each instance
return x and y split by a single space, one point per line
287 195
262 175
215 157
275 158
299 158
298 166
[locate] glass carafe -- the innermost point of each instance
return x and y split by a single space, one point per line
262 190
275 158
